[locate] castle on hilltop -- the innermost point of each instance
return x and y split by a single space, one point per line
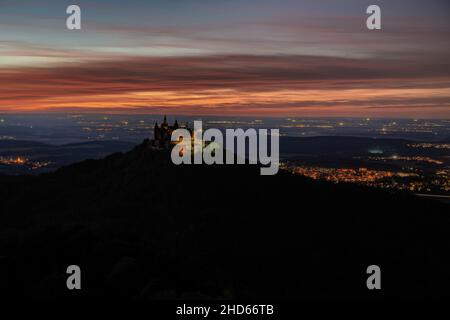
163 133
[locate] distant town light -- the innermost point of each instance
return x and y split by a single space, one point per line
376 151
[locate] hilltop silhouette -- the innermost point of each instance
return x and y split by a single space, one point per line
142 228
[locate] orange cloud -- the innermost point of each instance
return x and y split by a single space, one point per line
266 85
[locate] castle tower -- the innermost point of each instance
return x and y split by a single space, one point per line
164 124
156 132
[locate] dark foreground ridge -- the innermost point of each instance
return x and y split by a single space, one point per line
140 227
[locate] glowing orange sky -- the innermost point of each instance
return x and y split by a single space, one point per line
279 102
241 85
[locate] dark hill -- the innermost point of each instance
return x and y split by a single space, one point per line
141 227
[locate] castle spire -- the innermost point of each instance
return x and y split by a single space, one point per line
165 120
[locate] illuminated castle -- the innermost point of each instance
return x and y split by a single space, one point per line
163 133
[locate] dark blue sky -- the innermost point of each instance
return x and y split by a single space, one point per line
295 39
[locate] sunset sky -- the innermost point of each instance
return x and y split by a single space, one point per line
234 57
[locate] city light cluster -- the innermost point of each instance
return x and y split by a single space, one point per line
437 183
23 161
